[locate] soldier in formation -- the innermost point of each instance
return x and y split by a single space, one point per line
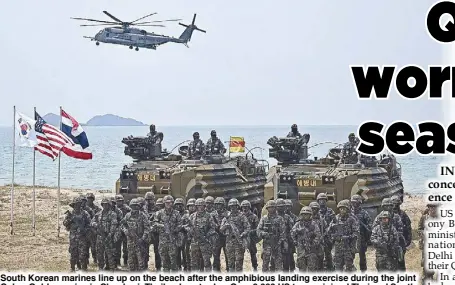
185 237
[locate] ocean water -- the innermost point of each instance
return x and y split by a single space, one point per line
108 158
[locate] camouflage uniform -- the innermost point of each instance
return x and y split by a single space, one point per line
214 145
220 241
118 233
122 244
344 233
285 248
201 228
190 205
181 257
106 225
196 147
365 222
407 230
254 221
329 216
316 217
136 228
77 222
168 223
350 155
294 220
92 233
89 230
272 230
430 213
294 133
151 209
385 239
387 206
307 236
236 228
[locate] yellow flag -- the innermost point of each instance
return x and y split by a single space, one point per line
237 144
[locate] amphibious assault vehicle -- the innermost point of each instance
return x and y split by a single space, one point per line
299 178
164 173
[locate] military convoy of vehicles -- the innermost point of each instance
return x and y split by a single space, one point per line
296 176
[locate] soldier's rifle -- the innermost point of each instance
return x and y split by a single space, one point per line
236 235
393 249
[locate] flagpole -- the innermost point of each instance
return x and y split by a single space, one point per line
12 179
34 190
58 190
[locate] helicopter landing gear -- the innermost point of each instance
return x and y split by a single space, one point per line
137 48
97 43
131 47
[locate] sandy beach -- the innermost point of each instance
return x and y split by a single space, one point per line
47 252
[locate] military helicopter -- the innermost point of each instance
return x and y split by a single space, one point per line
123 34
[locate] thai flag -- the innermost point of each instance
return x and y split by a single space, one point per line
74 131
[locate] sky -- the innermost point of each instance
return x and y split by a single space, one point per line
260 63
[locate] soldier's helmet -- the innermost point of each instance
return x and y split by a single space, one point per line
245 203
209 200
288 202
314 205
322 196
213 133
384 214
195 135
168 199
113 200
119 197
83 198
294 127
396 200
140 200
433 205
356 198
386 202
76 200
220 200
233 202
149 196
134 202
270 203
200 202
159 201
280 202
306 210
105 201
178 201
343 204
90 196
351 135
191 202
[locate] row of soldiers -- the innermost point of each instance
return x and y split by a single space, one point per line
188 239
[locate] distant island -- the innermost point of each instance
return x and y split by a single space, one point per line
100 120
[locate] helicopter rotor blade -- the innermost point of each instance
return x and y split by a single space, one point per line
112 17
94 25
194 19
143 18
200 30
93 20
149 25
159 21
186 26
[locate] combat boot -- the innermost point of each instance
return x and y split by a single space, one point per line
78 263
73 266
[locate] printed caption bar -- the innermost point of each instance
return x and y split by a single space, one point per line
405 278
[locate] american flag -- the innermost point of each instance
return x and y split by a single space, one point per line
50 139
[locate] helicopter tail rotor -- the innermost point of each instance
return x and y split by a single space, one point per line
188 32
